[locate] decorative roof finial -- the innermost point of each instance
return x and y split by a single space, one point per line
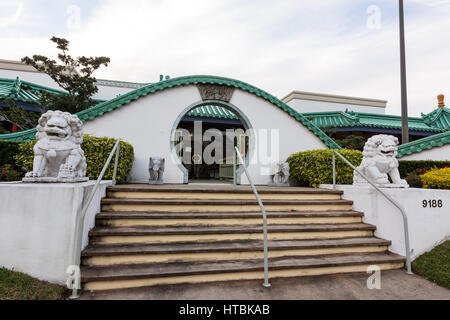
441 103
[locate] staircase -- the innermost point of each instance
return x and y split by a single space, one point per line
154 235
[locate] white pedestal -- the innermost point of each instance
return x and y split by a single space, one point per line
37 225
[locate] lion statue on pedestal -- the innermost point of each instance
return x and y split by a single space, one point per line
380 162
58 156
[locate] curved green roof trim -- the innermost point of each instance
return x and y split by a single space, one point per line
437 140
110 105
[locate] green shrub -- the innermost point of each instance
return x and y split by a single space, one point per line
96 151
313 168
414 178
8 149
437 179
407 166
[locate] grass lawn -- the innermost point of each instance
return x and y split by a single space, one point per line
435 265
19 286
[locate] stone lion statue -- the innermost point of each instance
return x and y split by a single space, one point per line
58 156
280 173
380 162
156 170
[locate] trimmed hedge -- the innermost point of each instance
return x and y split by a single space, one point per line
437 179
8 149
96 151
313 168
407 166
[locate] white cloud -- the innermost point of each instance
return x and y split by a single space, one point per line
279 46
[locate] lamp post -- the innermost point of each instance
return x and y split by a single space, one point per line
405 133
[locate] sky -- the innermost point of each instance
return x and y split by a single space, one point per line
344 47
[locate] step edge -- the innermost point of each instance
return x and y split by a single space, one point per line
370 260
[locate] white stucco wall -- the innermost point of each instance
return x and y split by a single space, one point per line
302 106
436 153
427 226
147 124
37 226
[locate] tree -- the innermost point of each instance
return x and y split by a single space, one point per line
17 115
73 75
353 142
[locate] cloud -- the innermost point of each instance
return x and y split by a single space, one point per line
279 46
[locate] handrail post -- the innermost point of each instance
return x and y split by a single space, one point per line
115 164
391 200
266 250
334 170
234 168
78 234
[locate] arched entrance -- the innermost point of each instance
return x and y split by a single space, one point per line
187 126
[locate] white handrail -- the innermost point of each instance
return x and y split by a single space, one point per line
80 219
266 254
389 198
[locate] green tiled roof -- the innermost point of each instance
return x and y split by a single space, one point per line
438 118
24 91
212 111
107 106
437 140
344 119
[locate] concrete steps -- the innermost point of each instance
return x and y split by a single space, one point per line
220 205
229 250
140 275
123 219
151 235
128 235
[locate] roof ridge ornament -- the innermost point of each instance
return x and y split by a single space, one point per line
16 86
441 102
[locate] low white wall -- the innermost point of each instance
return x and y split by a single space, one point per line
436 153
427 226
37 225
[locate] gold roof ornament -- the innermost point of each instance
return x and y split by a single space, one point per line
441 103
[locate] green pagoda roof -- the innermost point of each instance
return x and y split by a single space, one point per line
438 118
24 91
343 119
212 111
437 140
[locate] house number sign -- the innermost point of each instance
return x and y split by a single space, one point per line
436 203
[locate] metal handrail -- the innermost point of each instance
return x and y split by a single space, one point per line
389 198
266 254
80 221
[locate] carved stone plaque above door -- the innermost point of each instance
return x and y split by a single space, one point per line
215 92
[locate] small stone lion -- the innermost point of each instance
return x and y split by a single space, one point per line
280 172
379 162
156 170
58 153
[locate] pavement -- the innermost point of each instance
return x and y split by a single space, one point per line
395 285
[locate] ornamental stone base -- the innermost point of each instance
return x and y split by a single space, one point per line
55 180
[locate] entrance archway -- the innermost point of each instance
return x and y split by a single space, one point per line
246 124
